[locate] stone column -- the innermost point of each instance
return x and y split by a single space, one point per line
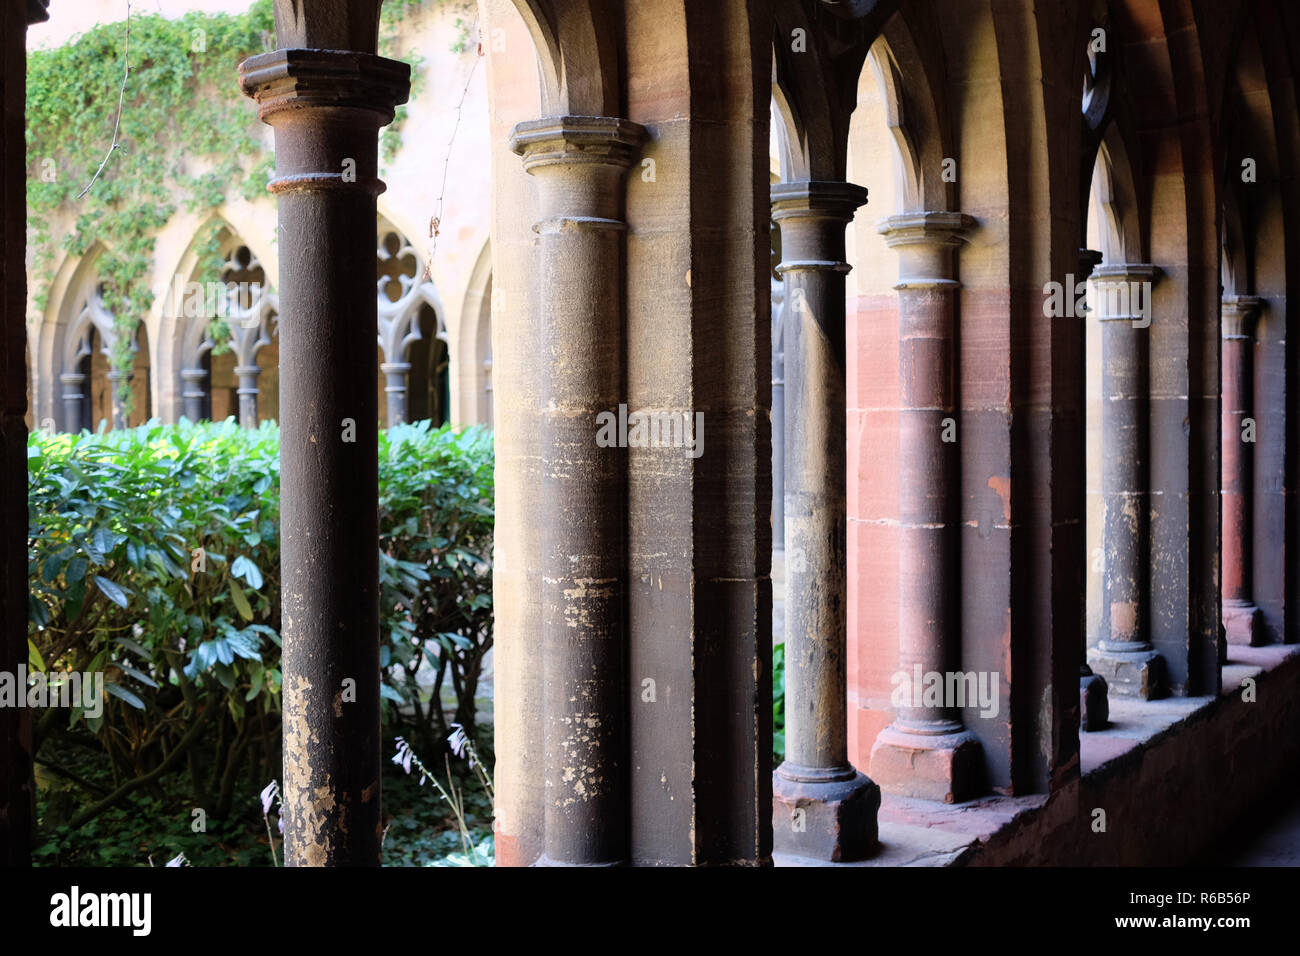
1094 703
579 163
822 806
1124 655
193 393
326 107
1241 618
778 417
395 390
73 416
927 751
115 379
247 392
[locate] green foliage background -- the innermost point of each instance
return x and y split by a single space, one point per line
189 641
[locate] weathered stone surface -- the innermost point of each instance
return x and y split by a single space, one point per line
948 768
327 107
833 820
1138 673
1094 707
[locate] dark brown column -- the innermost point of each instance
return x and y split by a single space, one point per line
1241 618
580 163
927 751
1124 655
822 806
17 795
326 107
1094 703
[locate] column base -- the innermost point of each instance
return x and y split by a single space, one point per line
1094 705
824 814
1244 624
945 767
1137 673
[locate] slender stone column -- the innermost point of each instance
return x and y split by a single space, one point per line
247 394
927 751
326 107
822 806
580 163
115 379
1241 618
193 393
395 390
778 416
1124 655
73 416
1094 703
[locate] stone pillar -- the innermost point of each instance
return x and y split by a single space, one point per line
326 106
1094 703
927 751
580 163
1124 655
395 390
778 417
1241 618
822 806
73 415
193 393
116 377
247 392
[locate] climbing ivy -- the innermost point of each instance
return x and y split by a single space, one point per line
186 135
187 138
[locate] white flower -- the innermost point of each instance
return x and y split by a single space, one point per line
179 861
403 755
268 795
460 744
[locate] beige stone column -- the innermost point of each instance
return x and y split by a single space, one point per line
579 163
822 807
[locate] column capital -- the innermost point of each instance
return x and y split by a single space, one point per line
292 79
927 228
1117 300
37 11
1238 315
577 140
72 378
926 241
1116 273
296 90
817 199
395 368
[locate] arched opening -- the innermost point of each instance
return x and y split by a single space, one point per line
414 361
229 337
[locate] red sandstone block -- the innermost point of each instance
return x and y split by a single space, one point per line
873 456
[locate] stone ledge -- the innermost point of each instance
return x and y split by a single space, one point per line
1139 769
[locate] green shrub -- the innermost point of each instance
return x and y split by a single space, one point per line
153 558
436 518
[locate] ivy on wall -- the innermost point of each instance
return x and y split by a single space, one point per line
188 139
